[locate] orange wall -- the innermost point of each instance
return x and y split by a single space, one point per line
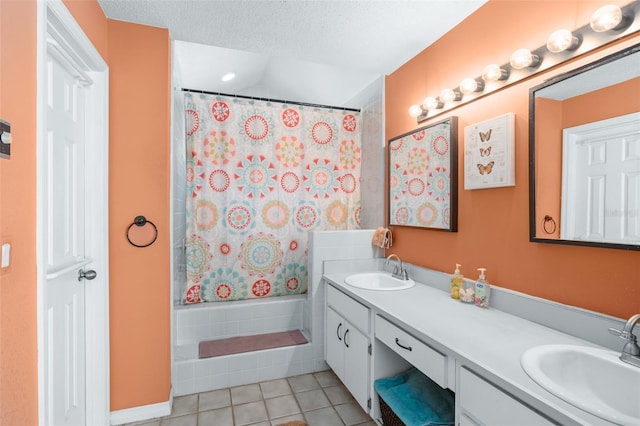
138 58
18 327
139 185
602 104
549 166
493 224
553 116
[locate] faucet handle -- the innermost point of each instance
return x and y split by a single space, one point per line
622 334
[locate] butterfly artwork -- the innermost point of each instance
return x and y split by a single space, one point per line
485 136
489 160
485 152
486 169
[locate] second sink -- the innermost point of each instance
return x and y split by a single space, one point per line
592 379
378 281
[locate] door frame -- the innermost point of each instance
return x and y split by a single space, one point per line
53 16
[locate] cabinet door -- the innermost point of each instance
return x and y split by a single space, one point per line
479 399
356 364
334 342
466 421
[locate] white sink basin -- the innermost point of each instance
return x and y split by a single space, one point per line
378 281
592 379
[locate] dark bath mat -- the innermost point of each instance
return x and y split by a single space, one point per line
258 342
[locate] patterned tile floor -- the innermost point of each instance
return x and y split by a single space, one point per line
319 399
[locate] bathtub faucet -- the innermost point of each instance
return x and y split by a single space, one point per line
398 271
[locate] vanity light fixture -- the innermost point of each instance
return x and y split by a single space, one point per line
415 110
432 103
493 72
523 58
228 77
606 18
470 85
561 40
450 95
607 24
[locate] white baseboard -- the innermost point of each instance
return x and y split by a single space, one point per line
145 412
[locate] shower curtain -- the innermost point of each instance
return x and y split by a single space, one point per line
260 176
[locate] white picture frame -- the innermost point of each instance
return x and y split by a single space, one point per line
489 153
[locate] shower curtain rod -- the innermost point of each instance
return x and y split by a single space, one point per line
270 100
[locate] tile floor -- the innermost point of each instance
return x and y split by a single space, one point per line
320 399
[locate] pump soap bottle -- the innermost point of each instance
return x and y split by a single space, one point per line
482 290
456 282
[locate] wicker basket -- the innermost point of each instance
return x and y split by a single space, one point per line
389 418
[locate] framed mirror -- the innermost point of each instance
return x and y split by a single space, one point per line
423 177
584 153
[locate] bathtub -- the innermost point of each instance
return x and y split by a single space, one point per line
207 321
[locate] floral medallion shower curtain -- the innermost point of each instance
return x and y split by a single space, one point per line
260 175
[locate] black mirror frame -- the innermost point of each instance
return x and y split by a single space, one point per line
532 151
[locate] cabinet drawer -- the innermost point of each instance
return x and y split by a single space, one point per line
352 311
426 359
480 398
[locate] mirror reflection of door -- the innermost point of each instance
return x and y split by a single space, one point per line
601 181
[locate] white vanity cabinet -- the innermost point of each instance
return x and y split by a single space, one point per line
482 403
347 344
412 328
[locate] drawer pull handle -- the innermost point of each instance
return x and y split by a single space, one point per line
338 331
345 338
403 347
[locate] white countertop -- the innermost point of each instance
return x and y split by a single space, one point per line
488 340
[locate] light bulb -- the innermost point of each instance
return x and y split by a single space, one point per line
470 85
228 76
562 40
432 103
523 58
606 18
450 95
493 72
415 110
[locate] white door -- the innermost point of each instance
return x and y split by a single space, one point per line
601 181
65 242
72 223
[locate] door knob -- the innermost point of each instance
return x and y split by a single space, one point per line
86 275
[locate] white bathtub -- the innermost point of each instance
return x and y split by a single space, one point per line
193 323
207 321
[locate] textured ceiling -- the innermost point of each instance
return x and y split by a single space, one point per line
332 49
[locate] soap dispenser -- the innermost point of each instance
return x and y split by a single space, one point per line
456 282
467 290
482 290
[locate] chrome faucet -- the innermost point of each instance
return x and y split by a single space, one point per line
398 271
631 351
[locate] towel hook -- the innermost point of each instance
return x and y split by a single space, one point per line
141 235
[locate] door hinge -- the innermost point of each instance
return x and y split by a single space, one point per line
369 403
369 349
